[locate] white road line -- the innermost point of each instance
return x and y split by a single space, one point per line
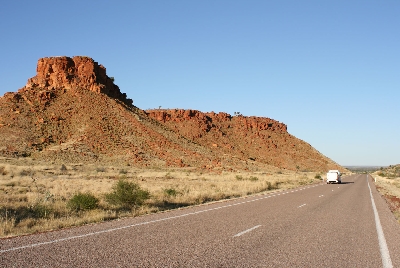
386 261
321 195
302 205
131 225
246 231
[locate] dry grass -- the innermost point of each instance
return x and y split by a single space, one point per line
33 194
389 187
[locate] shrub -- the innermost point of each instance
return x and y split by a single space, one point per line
41 211
169 176
101 169
170 192
127 195
239 177
63 168
253 178
83 201
3 171
318 177
25 173
11 184
271 186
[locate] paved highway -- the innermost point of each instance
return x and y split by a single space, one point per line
335 225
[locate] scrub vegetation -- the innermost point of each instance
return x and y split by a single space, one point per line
388 184
39 196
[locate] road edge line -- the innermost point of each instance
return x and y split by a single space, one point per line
383 248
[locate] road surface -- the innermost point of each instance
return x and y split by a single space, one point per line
323 225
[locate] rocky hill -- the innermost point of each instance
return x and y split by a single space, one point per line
71 111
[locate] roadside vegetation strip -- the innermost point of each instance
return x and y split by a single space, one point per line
385 255
141 223
387 182
36 196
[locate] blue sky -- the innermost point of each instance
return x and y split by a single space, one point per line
329 70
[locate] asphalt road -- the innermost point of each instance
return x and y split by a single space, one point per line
323 225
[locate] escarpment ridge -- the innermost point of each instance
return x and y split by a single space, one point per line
71 111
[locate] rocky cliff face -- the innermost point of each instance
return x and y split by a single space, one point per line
252 139
207 119
71 73
71 111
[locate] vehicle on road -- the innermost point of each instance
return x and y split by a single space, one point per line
333 176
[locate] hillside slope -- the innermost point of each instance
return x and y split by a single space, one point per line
71 111
254 139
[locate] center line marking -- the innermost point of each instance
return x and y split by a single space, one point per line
302 205
246 231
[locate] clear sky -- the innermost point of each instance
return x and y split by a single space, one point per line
329 70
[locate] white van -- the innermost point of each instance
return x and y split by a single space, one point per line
333 176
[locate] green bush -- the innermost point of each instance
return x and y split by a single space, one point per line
170 192
83 201
239 177
40 211
253 178
127 195
318 177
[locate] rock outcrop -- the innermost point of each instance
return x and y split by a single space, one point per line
244 122
250 138
77 72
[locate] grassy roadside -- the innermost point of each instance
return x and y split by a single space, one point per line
389 188
35 196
